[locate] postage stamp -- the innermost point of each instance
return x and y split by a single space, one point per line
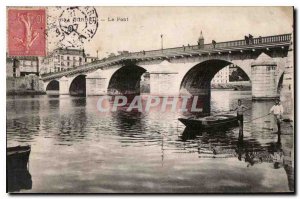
26 32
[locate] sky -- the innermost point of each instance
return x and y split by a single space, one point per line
179 25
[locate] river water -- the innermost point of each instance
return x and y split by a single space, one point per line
77 149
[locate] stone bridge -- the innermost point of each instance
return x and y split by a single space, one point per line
180 71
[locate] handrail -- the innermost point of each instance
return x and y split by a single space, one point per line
164 52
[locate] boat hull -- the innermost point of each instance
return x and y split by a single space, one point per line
17 157
199 124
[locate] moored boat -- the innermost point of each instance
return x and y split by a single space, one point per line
210 122
18 179
17 157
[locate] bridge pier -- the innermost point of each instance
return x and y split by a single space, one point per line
165 78
64 86
264 76
96 84
287 91
162 83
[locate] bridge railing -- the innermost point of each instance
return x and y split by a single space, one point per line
173 51
87 66
236 43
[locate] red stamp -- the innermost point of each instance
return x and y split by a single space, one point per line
26 32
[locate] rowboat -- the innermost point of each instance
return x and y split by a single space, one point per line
210 122
18 179
17 157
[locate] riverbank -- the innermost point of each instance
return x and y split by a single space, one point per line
233 86
22 92
27 85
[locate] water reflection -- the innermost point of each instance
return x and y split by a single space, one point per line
146 152
73 121
226 145
18 180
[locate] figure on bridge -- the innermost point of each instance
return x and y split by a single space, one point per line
213 42
247 40
251 41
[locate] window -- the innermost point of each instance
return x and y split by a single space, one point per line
28 63
80 59
14 71
68 58
85 59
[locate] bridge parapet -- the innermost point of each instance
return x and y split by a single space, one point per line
219 45
237 45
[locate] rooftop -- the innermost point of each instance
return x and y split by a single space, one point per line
69 51
31 58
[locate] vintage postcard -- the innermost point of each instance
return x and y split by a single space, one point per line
150 99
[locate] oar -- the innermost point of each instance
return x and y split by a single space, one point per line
257 118
222 111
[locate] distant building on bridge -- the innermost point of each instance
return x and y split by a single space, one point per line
200 41
65 58
230 73
222 77
236 74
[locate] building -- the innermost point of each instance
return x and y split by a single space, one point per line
65 58
18 66
222 77
12 67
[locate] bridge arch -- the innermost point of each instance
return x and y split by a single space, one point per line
52 87
78 86
197 80
280 82
126 80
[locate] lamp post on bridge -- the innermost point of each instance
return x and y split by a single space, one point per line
162 42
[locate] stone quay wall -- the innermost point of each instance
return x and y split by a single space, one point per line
29 84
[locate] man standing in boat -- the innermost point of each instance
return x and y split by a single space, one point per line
240 113
277 111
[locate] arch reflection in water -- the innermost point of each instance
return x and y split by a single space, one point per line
108 145
73 121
